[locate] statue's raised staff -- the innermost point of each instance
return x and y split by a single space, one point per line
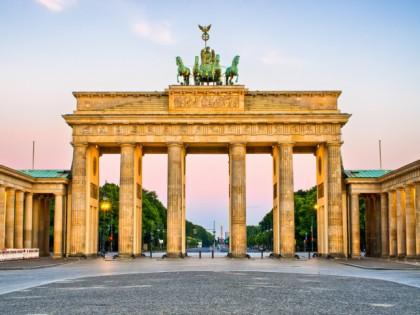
182 72
232 71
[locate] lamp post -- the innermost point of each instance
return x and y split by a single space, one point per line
106 206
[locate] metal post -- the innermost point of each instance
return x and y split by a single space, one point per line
199 254
212 253
262 254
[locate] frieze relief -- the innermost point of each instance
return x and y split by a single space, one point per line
210 129
207 101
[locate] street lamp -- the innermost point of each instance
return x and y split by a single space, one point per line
106 206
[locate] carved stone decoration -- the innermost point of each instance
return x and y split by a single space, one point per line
213 101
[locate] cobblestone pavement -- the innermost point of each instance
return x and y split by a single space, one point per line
218 285
223 292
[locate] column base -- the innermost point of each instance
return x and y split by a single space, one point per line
275 256
288 256
57 256
384 256
231 255
356 256
410 257
173 255
401 256
125 256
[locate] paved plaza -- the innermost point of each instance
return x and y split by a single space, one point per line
210 286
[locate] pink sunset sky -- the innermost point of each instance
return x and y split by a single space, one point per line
369 50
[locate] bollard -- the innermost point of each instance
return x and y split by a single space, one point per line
309 255
262 253
150 253
199 254
212 254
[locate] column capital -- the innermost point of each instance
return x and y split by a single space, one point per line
28 193
237 143
127 144
334 143
175 144
10 189
286 144
79 144
60 194
354 194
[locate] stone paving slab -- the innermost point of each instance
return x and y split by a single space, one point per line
43 262
379 264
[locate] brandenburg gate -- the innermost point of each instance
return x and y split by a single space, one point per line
206 119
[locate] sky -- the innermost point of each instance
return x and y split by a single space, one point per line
369 50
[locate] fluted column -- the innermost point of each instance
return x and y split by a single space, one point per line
35 222
276 216
286 201
335 212
355 226
237 238
58 226
384 226
19 219
368 225
175 192
2 217
78 200
417 209
392 216
46 233
10 217
27 228
401 223
127 202
410 218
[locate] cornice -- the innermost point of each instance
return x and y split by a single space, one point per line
16 174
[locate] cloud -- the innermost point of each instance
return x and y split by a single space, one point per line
157 32
56 5
274 58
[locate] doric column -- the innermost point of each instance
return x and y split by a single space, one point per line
19 219
410 218
2 217
58 226
417 209
127 202
237 179
401 223
78 200
384 226
355 226
392 216
27 228
368 225
335 213
46 233
41 223
10 217
286 201
35 222
175 193
138 218
276 216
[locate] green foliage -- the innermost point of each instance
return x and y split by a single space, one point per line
196 233
305 216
